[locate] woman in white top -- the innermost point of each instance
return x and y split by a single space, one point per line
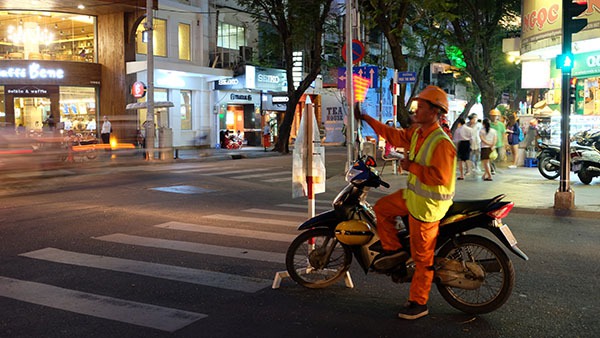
488 138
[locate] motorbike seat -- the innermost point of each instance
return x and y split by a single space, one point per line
467 207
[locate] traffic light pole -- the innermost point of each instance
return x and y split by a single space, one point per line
565 197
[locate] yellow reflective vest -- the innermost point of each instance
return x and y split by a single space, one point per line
425 202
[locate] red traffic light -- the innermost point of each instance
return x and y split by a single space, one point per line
571 10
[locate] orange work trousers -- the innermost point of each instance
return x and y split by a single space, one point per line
423 236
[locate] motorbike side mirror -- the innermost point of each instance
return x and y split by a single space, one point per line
370 161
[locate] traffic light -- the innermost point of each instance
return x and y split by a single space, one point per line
571 10
565 62
572 90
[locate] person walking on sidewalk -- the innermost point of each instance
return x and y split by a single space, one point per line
431 166
475 124
488 141
463 136
500 129
514 138
105 133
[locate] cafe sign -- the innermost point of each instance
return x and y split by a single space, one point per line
32 72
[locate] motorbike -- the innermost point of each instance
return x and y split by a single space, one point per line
548 158
472 272
587 166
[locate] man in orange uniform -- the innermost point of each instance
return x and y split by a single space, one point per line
431 164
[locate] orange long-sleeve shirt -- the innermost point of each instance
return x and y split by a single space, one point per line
444 154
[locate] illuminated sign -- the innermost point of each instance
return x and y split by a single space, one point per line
33 72
138 89
277 99
228 82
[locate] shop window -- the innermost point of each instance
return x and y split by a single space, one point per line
184 42
78 109
32 35
186 109
159 40
230 36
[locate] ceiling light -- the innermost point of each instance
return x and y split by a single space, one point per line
80 6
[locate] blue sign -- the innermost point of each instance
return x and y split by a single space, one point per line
407 77
368 72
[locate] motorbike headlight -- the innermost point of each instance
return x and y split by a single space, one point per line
351 174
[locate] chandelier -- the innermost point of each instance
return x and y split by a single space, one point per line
31 33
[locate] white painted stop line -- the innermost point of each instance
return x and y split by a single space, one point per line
176 273
147 315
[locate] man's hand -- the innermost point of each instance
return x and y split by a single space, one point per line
357 112
405 163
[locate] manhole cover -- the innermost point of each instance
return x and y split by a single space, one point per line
183 189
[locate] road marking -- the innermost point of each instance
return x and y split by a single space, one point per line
233 232
298 206
180 274
147 315
237 171
196 170
183 189
206 249
274 180
259 220
263 175
277 212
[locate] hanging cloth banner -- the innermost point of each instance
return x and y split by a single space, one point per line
300 172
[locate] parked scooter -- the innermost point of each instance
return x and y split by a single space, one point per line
472 272
548 158
587 166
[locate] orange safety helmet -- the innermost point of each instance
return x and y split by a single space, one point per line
436 96
495 112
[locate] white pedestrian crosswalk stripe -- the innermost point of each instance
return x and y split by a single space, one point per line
275 180
147 315
176 273
259 220
153 315
205 249
277 212
262 235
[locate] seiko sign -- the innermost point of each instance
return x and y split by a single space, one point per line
33 72
266 78
228 82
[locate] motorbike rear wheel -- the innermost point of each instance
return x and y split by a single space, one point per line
498 281
320 264
547 169
584 175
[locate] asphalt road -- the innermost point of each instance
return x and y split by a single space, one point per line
191 250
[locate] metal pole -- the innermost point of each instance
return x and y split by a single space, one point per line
349 85
310 150
150 78
564 198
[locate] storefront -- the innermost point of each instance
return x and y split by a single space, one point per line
46 94
240 102
539 47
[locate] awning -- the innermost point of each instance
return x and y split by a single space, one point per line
144 105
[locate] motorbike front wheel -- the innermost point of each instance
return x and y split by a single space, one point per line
499 275
547 169
316 259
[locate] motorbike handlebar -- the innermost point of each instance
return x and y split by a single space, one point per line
385 184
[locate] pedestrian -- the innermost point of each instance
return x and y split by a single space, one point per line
500 129
463 136
489 139
431 166
475 124
105 132
514 135
267 135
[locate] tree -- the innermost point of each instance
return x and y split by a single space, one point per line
300 25
477 29
412 30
